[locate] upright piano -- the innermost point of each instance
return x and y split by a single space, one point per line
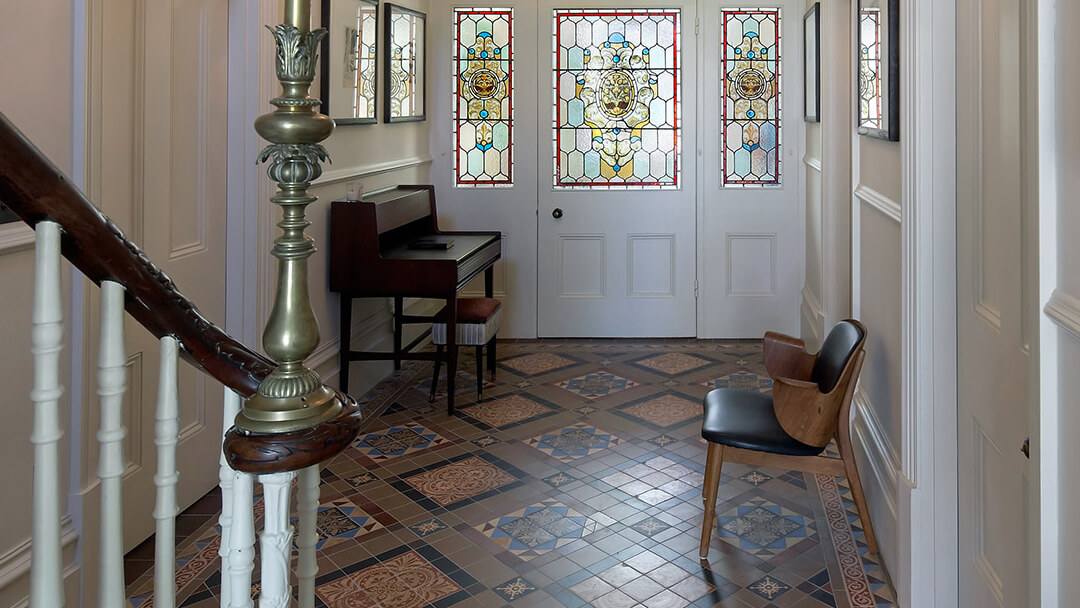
388 244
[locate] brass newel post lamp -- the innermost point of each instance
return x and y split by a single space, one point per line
292 397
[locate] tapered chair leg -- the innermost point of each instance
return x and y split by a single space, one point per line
852 472
435 376
714 461
491 357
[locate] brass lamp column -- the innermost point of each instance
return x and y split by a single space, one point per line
292 397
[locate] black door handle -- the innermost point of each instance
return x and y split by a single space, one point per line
556 213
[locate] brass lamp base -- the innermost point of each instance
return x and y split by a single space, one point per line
262 414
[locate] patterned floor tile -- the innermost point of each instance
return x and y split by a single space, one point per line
663 412
509 411
742 380
574 442
763 528
405 580
397 441
673 364
514 588
340 520
538 363
610 518
538 529
472 477
596 384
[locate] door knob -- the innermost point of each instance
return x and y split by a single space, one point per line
1026 447
556 213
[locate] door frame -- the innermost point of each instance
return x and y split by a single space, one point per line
926 573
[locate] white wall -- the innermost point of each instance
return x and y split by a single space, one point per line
38 99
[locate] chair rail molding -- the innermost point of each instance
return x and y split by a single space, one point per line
887 206
346 173
1064 310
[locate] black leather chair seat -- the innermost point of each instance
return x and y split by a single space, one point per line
745 419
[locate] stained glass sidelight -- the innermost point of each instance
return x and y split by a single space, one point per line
751 96
483 91
360 60
870 67
616 93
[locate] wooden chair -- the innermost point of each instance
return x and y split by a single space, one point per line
478 320
789 429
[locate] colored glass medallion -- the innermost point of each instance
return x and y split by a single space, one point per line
751 97
483 112
616 84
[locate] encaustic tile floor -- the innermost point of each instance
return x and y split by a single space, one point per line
576 481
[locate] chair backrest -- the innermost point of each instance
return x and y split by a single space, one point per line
836 351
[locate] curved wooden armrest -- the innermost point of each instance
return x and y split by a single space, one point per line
804 412
786 357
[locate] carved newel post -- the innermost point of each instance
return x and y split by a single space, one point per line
292 397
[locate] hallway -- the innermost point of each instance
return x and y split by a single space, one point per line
575 482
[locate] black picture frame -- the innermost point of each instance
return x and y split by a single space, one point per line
884 88
404 56
812 64
346 56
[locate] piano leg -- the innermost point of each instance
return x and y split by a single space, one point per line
451 351
398 325
489 282
345 332
435 375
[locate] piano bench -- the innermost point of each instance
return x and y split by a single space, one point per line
478 321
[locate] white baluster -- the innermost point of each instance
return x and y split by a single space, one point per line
46 336
276 538
241 542
307 504
112 383
166 436
231 407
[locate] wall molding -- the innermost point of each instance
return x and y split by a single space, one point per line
15 236
884 461
813 163
1064 310
813 313
15 564
888 207
346 173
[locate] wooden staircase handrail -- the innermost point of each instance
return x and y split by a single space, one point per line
36 190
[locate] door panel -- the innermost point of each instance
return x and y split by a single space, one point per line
751 236
993 377
158 170
616 233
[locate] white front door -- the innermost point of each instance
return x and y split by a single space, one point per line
994 107
616 202
158 135
751 118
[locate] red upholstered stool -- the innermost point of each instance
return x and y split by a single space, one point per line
478 321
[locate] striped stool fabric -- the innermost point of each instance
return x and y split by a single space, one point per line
478 321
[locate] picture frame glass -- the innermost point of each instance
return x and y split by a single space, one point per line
405 58
877 60
350 60
811 64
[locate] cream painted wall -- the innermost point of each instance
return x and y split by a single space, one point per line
377 155
38 99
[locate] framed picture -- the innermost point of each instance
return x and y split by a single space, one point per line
877 57
404 58
812 64
350 60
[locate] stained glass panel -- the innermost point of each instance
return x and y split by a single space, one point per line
870 67
483 92
616 95
360 62
750 64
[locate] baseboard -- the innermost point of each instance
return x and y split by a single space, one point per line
879 469
15 568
